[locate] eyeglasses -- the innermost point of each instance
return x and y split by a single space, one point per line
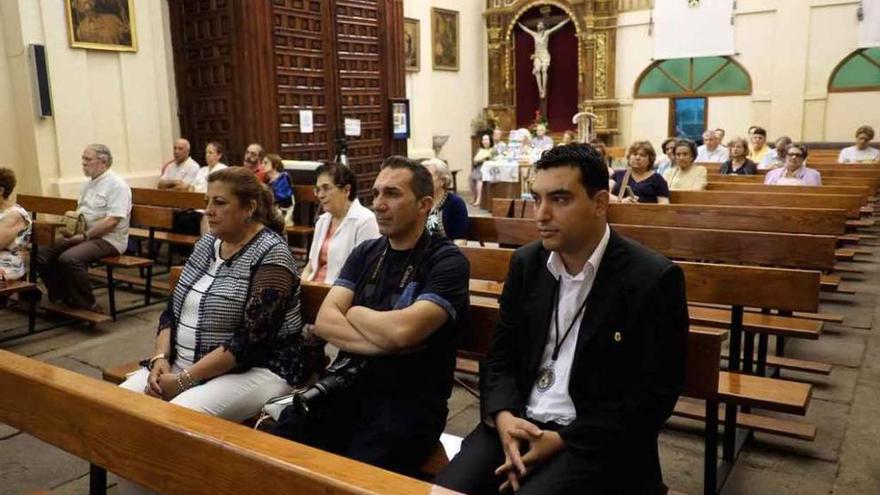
794 155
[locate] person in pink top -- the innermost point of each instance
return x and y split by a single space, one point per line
795 172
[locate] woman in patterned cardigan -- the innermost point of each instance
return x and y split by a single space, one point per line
230 338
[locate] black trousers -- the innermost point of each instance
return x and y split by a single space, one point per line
388 431
472 471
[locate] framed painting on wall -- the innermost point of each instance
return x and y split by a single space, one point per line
411 45
101 25
444 39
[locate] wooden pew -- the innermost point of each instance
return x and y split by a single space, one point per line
10 287
726 246
306 211
178 200
130 434
36 205
819 221
489 266
861 191
850 203
829 181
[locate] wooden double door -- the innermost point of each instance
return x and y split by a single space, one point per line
245 69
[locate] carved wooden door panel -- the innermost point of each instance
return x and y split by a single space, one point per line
203 68
361 89
304 62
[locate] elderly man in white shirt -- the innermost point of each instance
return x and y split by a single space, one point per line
180 172
711 151
105 202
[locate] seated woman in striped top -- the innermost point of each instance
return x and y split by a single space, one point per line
230 338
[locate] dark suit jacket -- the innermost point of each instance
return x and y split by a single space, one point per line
623 388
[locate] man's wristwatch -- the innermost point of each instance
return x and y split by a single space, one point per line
152 361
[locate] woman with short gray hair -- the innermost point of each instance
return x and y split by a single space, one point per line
449 217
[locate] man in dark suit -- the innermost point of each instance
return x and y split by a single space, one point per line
588 358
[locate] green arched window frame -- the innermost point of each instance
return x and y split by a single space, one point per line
859 71
702 76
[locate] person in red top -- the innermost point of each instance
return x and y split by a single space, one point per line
253 157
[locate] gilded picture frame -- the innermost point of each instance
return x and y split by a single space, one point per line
101 25
412 45
444 39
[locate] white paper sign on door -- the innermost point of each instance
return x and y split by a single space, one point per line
306 122
352 127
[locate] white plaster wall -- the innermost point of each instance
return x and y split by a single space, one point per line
124 100
788 47
443 102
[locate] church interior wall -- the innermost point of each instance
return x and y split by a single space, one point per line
124 100
789 50
445 102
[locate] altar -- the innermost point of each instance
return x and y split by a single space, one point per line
504 178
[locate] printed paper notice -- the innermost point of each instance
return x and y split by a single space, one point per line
352 127
306 122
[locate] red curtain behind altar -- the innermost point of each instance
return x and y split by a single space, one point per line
562 78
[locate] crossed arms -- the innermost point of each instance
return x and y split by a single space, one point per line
361 330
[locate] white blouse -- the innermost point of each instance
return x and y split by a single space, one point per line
358 226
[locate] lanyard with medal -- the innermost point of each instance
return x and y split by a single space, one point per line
547 375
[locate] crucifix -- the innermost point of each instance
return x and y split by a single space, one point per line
541 57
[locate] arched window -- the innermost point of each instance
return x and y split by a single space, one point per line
859 71
703 76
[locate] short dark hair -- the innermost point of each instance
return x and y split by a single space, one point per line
340 175
689 144
246 187
491 141
7 181
422 184
665 143
594 172
759 130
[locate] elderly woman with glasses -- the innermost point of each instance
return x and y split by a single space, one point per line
344 224
795 171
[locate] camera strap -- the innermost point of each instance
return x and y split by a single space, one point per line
413 261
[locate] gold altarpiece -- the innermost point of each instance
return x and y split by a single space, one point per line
595 23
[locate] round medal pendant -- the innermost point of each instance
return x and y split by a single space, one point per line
545 379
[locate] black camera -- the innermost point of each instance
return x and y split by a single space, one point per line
340 376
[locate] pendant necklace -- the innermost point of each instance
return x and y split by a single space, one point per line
547 375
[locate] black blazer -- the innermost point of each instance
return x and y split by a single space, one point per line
629 362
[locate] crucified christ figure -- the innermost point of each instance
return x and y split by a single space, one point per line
541 57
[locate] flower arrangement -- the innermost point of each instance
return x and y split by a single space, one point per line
482 124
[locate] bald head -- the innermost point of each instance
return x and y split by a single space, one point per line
181 150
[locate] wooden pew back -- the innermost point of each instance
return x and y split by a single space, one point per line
45 204
152 216
818 221
784 289
130 434
863 191
826 181
812 252
848 202
815 252
181 200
